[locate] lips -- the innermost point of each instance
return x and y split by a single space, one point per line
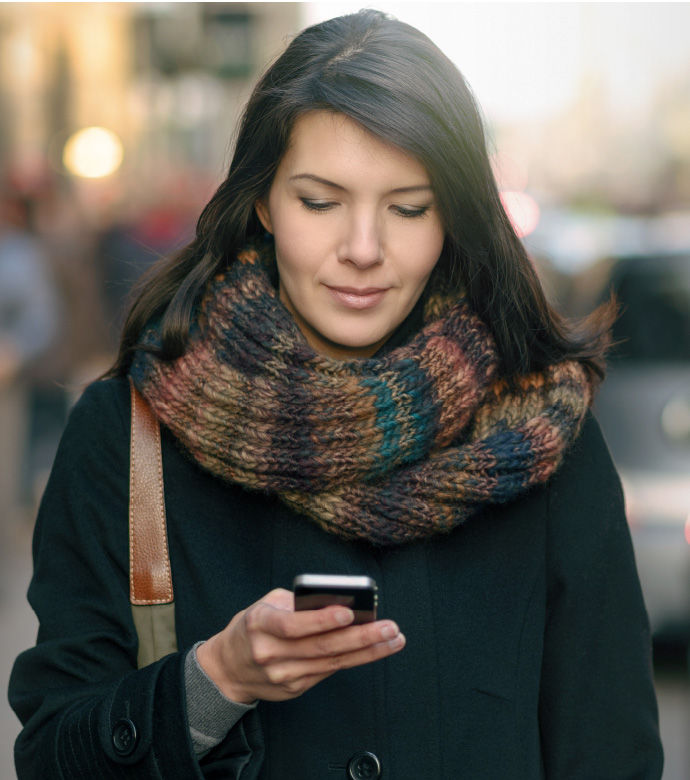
358 298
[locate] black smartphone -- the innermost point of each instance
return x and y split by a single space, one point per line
359 593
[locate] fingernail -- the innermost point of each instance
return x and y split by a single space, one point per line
399 641
388 632
344 616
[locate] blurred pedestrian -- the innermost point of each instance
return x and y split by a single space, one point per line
30 315
127 248
356 372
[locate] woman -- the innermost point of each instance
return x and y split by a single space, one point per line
356 372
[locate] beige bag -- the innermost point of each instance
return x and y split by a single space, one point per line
150 578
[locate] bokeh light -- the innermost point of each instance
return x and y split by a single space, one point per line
93 153
522 210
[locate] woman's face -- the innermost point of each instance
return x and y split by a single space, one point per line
357 233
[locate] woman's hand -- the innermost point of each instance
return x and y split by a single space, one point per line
269 651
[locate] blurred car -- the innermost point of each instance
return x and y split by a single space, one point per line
644 410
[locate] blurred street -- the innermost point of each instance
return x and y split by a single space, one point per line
673 690
19 627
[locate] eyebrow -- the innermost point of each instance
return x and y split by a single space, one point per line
328 183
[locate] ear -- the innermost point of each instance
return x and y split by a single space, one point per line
263 214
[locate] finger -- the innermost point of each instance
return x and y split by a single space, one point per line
280 599
293 677
264 617
340 641
364 655
305 622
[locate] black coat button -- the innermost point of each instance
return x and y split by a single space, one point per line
124 737
364 766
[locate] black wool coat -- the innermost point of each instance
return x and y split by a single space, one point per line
527 656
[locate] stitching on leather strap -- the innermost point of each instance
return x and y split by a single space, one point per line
150 577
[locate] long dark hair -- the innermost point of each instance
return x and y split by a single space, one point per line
393 80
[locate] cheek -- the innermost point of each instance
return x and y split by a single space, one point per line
297 238
423 252
297 256
289 247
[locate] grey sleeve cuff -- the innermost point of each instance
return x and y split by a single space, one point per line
211 714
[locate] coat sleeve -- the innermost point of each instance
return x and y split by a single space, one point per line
85 708
598 710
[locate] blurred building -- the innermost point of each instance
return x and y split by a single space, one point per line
167 79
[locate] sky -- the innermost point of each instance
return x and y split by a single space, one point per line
526 60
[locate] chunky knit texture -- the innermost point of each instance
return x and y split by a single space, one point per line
387 449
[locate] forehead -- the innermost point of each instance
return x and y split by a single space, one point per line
327 141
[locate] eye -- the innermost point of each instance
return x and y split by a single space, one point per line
410 212
317 205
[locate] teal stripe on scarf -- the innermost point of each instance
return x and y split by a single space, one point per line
422 414
386 422
407 430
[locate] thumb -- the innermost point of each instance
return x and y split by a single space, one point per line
280 599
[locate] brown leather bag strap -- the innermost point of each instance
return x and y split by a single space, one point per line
150 578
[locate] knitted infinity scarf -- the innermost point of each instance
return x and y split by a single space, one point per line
387 449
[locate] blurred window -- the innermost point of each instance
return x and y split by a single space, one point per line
209 37
228 42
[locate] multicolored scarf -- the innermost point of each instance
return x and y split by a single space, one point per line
388 449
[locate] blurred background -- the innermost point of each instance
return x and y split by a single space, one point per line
116 126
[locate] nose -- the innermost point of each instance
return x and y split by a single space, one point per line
362 241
